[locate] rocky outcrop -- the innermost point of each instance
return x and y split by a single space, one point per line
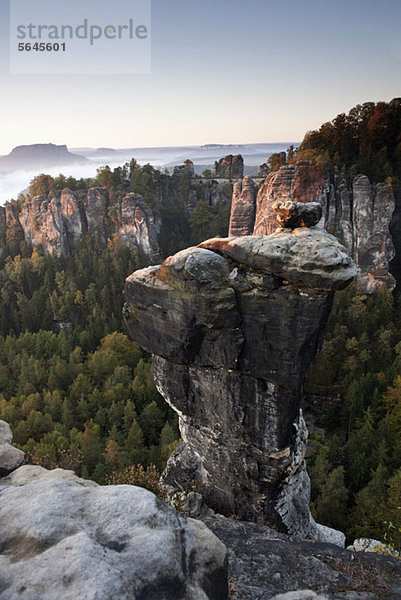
11 232
242 217
229 167
94 205
139 226
303 183
266 565
72 218
66 537
57 224
233 325
294 214
187 169
213 191
43 225
264 170
372 209
10 457
359 216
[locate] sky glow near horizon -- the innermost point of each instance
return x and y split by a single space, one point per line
222 72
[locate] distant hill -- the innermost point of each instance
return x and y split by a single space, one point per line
95 152
39 156
220 146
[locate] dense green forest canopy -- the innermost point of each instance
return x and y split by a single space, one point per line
75 390
353 389
367 140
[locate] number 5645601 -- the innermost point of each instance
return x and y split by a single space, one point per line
41 47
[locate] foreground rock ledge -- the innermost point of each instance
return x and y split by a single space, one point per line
63 537
233 325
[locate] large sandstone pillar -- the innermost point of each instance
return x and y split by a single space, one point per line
233 325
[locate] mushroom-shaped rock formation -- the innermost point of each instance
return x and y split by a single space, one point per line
233 325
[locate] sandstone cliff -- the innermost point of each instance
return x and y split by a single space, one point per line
229 167
242 219
358 215
57 224
233 325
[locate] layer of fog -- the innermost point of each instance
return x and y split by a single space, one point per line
12 184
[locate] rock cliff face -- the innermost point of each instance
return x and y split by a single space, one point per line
359 216
233 325
185 169
229 167
242 217
57 224
266 565
139 226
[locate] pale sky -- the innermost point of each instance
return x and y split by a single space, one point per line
223 71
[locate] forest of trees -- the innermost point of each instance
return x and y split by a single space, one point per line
79 394
76 391
365 141
353 389
83 397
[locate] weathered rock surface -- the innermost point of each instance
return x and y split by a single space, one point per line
263 170
373 249
242 217
64 537
42 222
6 435
233 326
302 184
213 191
139 226
308 257
229 167
10 457
359 216
187 169
267 565
295 214
57 224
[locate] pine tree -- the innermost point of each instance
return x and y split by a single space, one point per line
331 503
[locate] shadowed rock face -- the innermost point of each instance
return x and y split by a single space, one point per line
295 214
233 325
229 167
359 215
